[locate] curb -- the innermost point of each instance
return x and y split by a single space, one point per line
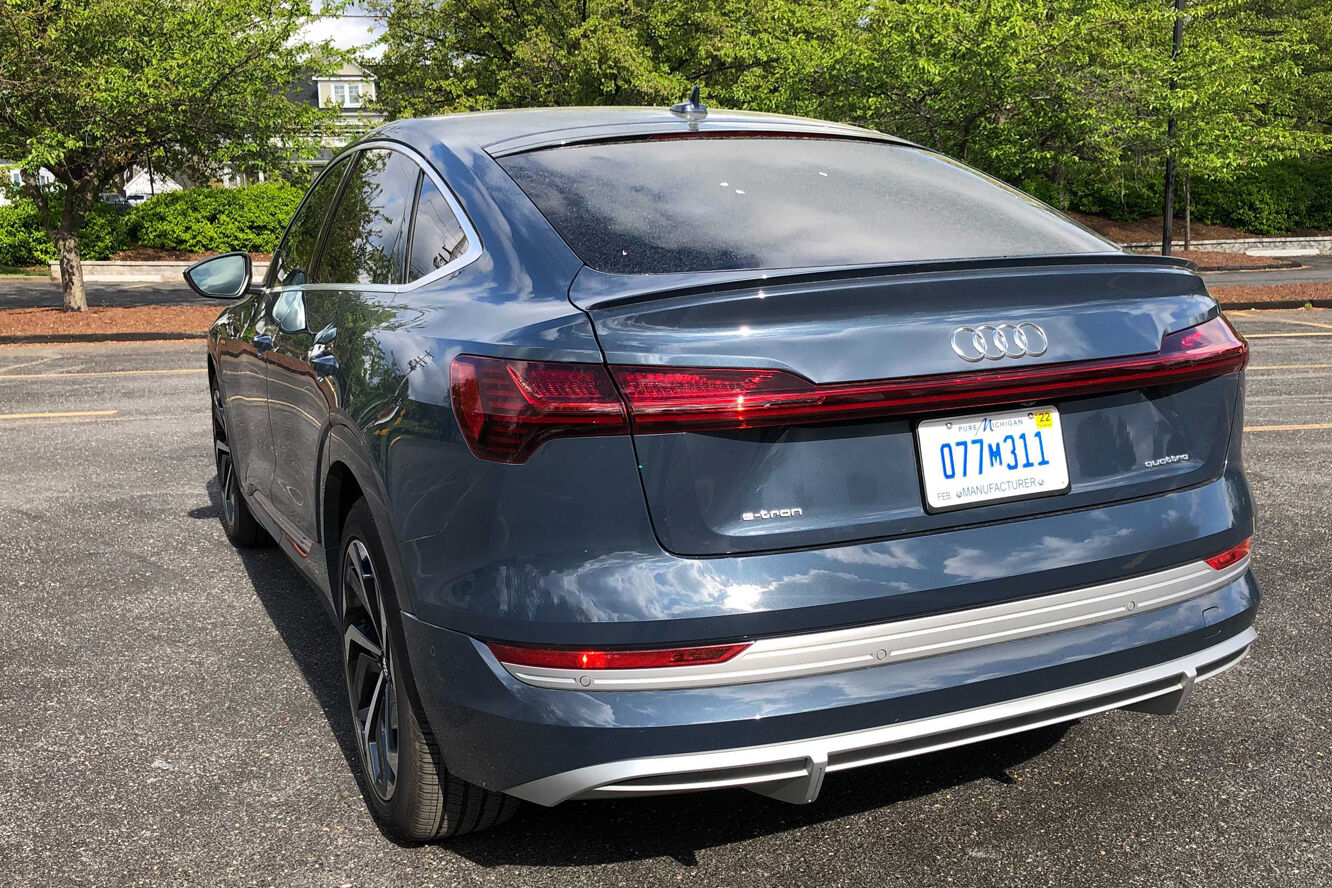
1259 305
1225 269
57 338
1320 245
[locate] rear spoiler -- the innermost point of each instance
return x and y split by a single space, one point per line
592 289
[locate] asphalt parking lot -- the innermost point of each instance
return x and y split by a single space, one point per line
171 710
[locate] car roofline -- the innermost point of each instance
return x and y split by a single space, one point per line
722 124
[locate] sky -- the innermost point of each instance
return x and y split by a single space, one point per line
351 30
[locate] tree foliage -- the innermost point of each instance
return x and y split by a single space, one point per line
89 87
1065 97
217 220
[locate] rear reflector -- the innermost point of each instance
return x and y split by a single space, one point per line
506 409
1230 556
573 658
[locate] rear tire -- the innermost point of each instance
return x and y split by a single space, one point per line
403 776
238 522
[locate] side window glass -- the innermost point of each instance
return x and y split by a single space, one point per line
291 263
437 237
367 238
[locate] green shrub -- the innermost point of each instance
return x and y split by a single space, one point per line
103 233
23 240
216 219
1273 199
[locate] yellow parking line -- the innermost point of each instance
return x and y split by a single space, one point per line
1281 335
1290 366
58 415
1292 321
4 375
1289 428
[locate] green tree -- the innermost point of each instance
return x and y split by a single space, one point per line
1064 97
89 87
1231 96
466 55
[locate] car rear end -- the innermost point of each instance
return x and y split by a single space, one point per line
915 461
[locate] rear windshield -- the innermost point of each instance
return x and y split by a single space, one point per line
707 204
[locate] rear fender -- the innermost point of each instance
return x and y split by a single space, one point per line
344 445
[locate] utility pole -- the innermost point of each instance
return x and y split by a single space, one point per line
1168 212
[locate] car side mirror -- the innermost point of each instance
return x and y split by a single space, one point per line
220 277
289 312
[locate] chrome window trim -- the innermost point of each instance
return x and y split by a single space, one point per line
862 647
474 246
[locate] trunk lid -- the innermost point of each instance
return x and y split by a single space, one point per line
840 481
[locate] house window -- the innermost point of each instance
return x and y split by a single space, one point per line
347 95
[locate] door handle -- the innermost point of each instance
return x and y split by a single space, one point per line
263 342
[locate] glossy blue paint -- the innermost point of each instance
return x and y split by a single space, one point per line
637 540
505 733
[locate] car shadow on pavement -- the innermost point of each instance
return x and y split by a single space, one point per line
583 833
302 621
678 827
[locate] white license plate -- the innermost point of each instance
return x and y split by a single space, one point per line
986 457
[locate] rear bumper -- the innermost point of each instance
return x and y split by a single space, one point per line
793 772
781 736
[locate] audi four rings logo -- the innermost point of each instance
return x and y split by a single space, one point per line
999 341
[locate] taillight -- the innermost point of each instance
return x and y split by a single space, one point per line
1230 556
665 399
576 658
508 408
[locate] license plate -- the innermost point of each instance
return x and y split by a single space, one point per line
989 457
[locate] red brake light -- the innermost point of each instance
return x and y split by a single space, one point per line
663 399
1230 556
506 409
573 658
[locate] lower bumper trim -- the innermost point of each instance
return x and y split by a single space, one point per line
793 771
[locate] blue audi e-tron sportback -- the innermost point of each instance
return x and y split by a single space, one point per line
645 451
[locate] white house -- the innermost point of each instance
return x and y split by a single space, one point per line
10 175
139 184
349 89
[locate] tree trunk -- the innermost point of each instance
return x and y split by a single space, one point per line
66 239
1168 211
71 271
1188 214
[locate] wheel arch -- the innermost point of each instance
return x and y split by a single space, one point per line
349 474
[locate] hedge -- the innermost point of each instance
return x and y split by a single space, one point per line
216 219
1278 198
1274 199
24 242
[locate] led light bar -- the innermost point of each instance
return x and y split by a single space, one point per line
507 408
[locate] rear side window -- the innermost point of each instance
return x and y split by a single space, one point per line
367 237
437 237
291 263
704 204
